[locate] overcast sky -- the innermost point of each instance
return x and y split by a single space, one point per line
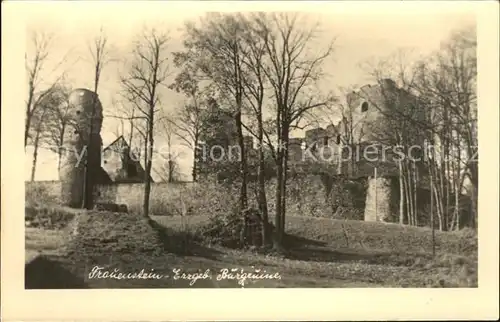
360 36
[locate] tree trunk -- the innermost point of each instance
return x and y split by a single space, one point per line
474 178
170 170
401 194
438 208
27 125
36 143
432 215
438 193
149 163
407 198
431 190
278 236
415 191
131 134
474 194
145 147
35 154
243 163
446 168
60 147
194 171
147 190
411 206
27 130
442 199
262 185
285 177
458 185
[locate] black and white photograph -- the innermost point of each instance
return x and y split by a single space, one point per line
251 149
199 156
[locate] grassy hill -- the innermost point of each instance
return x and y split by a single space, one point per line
354 234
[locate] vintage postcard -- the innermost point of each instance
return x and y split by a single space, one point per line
345 151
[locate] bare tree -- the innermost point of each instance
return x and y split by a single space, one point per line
188 125
255 90
170 169
48 123
35 64
38 120
444 84
98 50
215 47
448 81
292 71
147 71
57 121
134 131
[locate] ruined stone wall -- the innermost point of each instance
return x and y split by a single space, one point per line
131 193
163 194
365 115
376 110
381 199
307 195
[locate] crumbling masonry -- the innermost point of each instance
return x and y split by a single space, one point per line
363 124
85 113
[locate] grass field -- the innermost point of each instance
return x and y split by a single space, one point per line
323 253
355 234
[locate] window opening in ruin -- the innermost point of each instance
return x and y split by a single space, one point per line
313 148
325 141
338 139
364 107
77 112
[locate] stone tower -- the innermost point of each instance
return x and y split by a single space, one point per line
85 113
374 129
368 106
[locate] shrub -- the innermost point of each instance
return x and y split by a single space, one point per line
221 205
227 230
467 241
184 200
201 199
221 230
348 213
49 217
37 194
113 207
161 207
346 199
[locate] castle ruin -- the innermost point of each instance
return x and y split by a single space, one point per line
360 145
363 124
